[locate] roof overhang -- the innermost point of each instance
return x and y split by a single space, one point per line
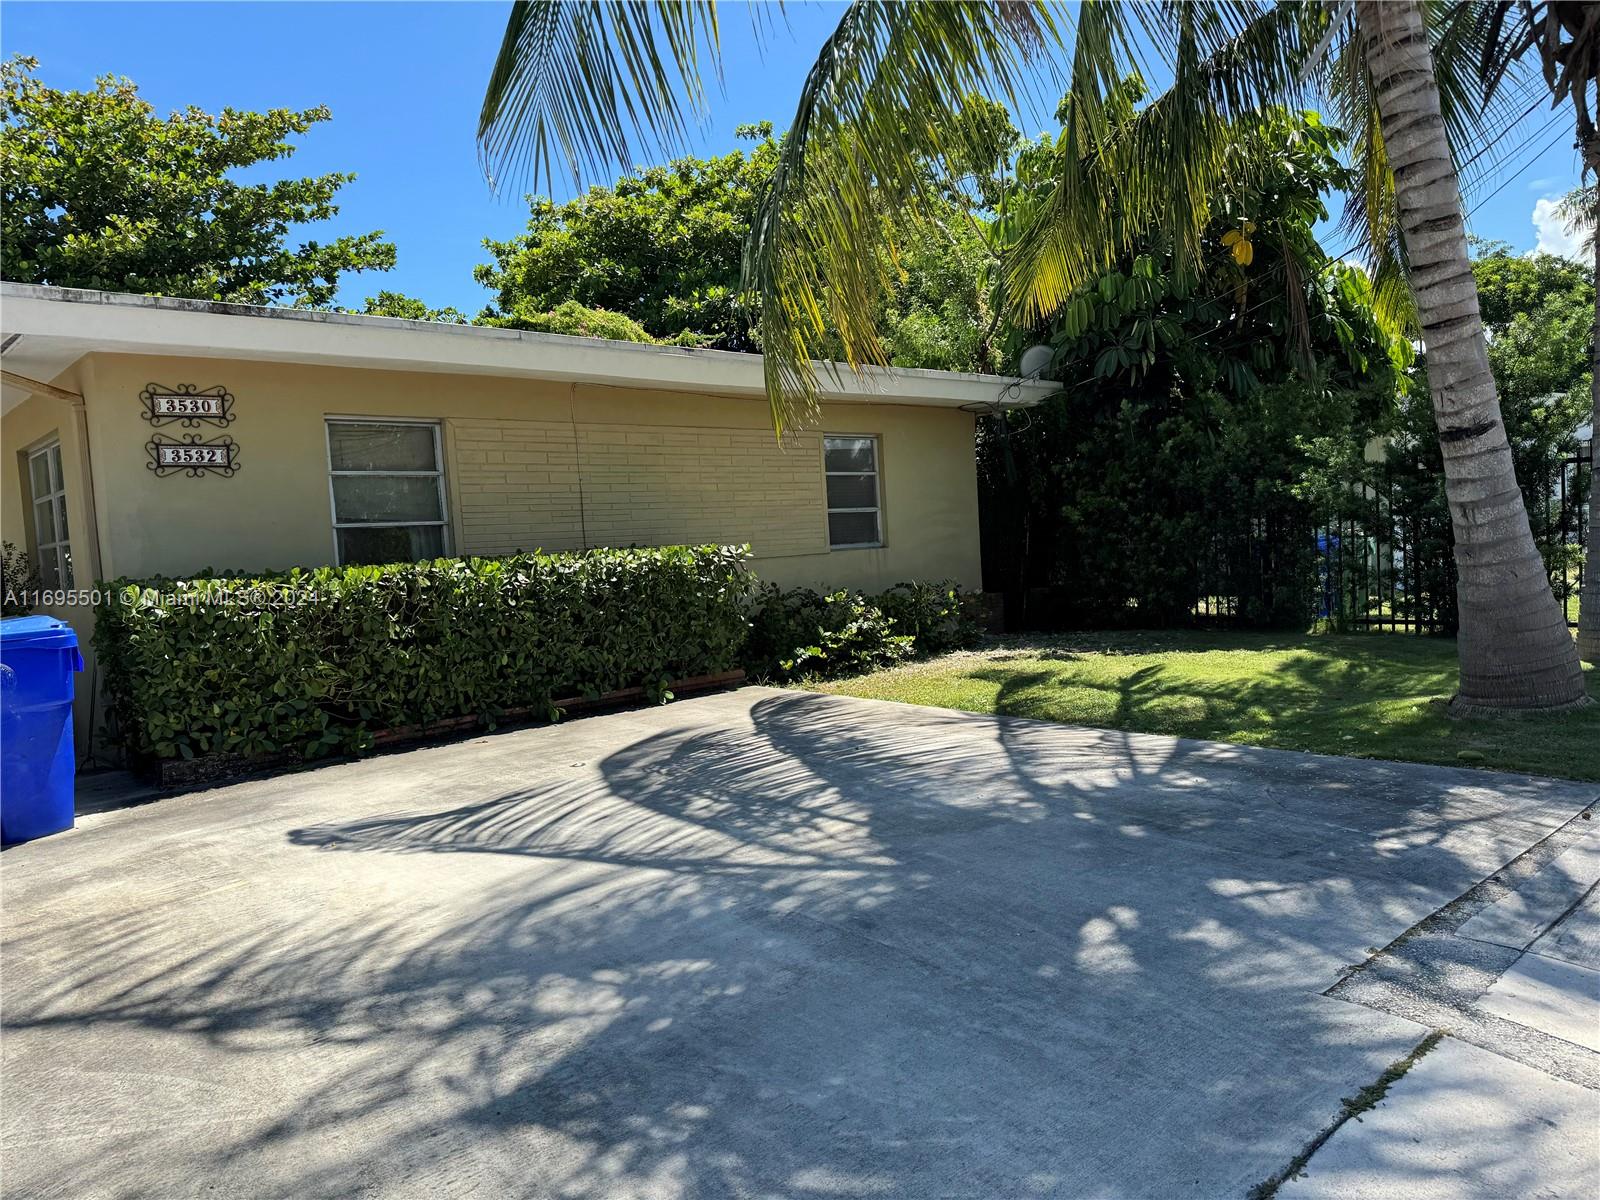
44 330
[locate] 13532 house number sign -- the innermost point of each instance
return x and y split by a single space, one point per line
191 456
189 407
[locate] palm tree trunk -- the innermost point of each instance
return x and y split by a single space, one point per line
1514 647
1589 598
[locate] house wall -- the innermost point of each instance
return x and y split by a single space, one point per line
36 422
528 465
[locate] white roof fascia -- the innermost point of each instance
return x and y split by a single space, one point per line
56 326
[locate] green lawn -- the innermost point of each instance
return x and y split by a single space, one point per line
1368 695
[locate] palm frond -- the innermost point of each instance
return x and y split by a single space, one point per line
1564 37
1579 211
594 80
1479 110
882 102
1160 167
1478 113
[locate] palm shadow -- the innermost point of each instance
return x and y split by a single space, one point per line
815 951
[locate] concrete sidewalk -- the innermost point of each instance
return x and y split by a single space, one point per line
765 943
1512 1111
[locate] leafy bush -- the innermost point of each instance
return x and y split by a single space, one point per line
800 633
18 577
937 616
576 320
314 662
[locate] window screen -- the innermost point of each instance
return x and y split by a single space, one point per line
388 491
49 495
851 467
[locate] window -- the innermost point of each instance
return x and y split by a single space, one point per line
388 491
50 516
851 466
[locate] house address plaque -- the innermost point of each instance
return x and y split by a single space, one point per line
191 456
189 407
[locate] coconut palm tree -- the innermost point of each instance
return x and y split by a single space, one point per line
1589 597
882 99
1513 641
1564 35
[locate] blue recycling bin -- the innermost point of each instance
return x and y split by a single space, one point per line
38 659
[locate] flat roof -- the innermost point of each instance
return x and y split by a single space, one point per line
44 330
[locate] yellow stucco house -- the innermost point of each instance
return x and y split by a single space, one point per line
153 436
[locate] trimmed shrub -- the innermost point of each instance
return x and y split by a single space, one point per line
800 633
313 662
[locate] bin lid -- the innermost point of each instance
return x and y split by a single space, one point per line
37 633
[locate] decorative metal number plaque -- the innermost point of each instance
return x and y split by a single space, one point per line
187 404
191 456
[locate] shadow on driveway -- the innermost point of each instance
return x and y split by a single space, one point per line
765 943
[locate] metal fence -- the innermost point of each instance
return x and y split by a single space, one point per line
1385 560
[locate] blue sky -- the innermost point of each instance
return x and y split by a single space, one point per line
404 81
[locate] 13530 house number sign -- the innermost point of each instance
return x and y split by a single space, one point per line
188 405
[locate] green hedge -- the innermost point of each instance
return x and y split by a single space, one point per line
313 662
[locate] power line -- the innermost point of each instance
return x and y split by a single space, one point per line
1479 203
1551 146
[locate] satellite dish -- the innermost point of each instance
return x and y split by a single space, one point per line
1035 361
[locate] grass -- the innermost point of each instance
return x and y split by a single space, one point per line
1368 695
1365 1100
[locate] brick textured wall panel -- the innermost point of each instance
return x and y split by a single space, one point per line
655 485
517 487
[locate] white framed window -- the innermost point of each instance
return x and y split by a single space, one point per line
49 495
387 488
855 517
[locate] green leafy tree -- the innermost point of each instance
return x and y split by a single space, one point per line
398 304
662 247
99 191
1539 312
936 310
1194 406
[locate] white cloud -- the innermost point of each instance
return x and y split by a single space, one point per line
1554 235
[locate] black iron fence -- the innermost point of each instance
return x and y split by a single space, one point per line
1382 556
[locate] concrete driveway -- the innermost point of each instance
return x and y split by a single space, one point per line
770 943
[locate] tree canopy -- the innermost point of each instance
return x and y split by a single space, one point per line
398 304
1194 402
1539 311
663 247
97 190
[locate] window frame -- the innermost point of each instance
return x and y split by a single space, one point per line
61 546
877 490
437 474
